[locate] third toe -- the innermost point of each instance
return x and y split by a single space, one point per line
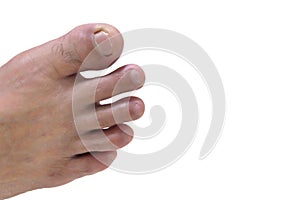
124 110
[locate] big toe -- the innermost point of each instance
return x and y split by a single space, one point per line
86 47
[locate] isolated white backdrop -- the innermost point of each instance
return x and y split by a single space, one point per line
255 46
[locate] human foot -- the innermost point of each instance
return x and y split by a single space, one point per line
39 144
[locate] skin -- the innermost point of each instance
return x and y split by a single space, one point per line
39 144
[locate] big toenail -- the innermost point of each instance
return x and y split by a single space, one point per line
103 42
135 77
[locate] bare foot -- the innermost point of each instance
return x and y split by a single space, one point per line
39 144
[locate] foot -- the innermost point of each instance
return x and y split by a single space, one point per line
39 143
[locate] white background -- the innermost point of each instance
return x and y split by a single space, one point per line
255 46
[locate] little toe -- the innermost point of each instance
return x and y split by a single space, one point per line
109 139
89 163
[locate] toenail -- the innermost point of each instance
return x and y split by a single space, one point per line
135 77
137 109
103 42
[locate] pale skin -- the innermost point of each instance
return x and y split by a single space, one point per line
39 143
